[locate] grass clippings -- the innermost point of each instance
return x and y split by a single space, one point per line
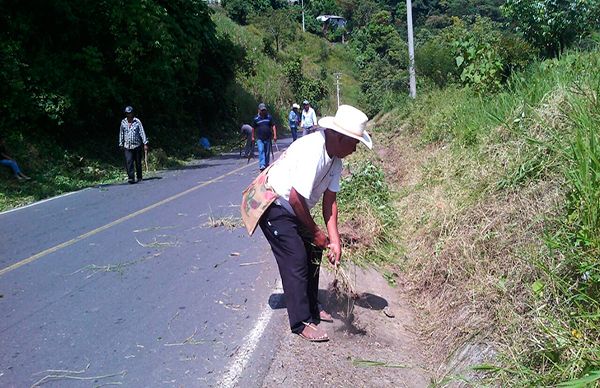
59 374
118 267
369 363
158 244
153 228
252 263
230 223
188 341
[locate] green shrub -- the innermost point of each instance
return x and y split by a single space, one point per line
435 60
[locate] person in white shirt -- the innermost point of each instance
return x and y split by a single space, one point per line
309 170
308 119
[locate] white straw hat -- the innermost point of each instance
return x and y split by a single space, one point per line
294 105
349 121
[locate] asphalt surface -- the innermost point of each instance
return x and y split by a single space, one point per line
152 284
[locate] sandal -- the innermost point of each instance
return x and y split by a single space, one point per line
319 335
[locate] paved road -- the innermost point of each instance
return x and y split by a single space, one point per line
133 284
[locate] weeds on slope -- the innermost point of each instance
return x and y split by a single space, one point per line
500 222
368 217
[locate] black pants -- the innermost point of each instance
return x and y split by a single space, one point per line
134 156
299 262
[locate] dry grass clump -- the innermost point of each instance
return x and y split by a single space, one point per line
230 222
358 233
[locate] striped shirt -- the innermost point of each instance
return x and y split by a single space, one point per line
132 134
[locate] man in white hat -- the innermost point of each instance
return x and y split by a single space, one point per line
310 170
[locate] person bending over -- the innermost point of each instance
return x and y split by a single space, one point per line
310 170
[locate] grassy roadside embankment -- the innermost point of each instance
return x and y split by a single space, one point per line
498 204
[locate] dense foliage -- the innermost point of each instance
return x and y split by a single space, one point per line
69 68
553 25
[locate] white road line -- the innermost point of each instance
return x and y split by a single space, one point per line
236 367
43 201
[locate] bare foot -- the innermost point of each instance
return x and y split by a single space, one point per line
325 316
313 333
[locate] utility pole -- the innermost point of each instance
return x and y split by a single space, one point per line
411 50
337 86
303 29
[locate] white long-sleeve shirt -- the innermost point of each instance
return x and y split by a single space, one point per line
308 118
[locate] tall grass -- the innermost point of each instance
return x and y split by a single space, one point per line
500 214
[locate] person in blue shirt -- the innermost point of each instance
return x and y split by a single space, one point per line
263 132
294 121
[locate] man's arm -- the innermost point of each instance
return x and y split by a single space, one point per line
274 133
330 215
121 136
298 203
143 135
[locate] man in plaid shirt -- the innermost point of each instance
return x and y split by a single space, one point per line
131 139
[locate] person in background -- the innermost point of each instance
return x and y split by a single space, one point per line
246 132
294 120
6 160
132 139
308 172
263 132
308 119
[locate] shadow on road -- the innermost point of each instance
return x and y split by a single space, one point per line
340 306
193 167
124 183
277 301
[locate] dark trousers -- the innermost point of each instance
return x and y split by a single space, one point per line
134 156
294 133
299 263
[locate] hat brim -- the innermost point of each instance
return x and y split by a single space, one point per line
329 122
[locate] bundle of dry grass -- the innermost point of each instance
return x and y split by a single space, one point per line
342 285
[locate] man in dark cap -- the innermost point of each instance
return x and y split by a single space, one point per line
131 139
263 131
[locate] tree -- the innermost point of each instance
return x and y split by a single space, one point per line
278 23
382 58
242 11
68 67
553 25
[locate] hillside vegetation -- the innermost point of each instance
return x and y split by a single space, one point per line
497 200
482 197
210 89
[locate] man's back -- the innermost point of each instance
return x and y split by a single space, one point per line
262 127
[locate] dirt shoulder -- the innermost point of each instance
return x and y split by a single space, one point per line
376 328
